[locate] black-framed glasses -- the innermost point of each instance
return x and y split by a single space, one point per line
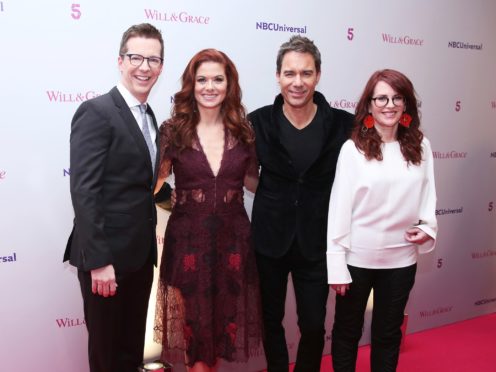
382 101
137 60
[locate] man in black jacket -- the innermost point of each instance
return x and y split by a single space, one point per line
114 162
298 140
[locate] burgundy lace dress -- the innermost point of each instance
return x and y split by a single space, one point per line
208 304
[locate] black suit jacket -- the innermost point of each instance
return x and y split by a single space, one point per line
288 204
112 185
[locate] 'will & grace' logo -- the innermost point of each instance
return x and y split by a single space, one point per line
437 311
69 322
347 104
450 154
463 45
270 26
484 301
177 17
402 40
441 212
8 259
65 97
343 104
483 254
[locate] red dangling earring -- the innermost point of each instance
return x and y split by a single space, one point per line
368 121
405 120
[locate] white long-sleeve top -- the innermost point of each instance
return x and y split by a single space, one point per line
372 204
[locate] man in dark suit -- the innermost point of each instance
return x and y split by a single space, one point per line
298 140
114 159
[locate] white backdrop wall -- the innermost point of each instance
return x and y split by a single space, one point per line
57 53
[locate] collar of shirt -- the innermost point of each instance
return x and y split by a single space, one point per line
133 104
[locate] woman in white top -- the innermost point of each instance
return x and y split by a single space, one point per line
381 215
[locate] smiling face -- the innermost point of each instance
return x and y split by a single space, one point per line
386 118
210 85
298 79
139 80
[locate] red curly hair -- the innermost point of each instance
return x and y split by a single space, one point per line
185 116
410 139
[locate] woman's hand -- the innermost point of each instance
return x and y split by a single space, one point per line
173 198
340 288
416 236
158 185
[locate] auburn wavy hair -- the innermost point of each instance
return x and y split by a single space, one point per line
184 113
410 139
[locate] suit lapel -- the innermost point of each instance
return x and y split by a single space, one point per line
157 143
131 124
274 134
328 122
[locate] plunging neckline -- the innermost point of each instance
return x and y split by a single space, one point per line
200 147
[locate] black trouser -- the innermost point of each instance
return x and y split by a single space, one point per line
311 292
116 325
391 290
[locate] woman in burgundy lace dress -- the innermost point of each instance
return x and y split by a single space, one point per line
208 301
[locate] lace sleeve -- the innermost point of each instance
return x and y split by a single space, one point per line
253 166
252 169
166 150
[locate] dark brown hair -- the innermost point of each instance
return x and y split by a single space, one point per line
145 30
300 44
185 116
410 139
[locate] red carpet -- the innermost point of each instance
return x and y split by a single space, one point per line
467 346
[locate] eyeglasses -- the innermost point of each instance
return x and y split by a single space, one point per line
382 101
137 60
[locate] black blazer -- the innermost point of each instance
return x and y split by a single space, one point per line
288 204
112 187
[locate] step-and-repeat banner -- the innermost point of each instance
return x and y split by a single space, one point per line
56 54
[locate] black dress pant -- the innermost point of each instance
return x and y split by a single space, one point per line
391 290
311 292
116 325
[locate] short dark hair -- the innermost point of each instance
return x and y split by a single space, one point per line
145 30
300 44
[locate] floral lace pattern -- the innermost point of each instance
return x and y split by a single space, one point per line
208 304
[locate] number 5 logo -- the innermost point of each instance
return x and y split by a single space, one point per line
350 33
76 13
